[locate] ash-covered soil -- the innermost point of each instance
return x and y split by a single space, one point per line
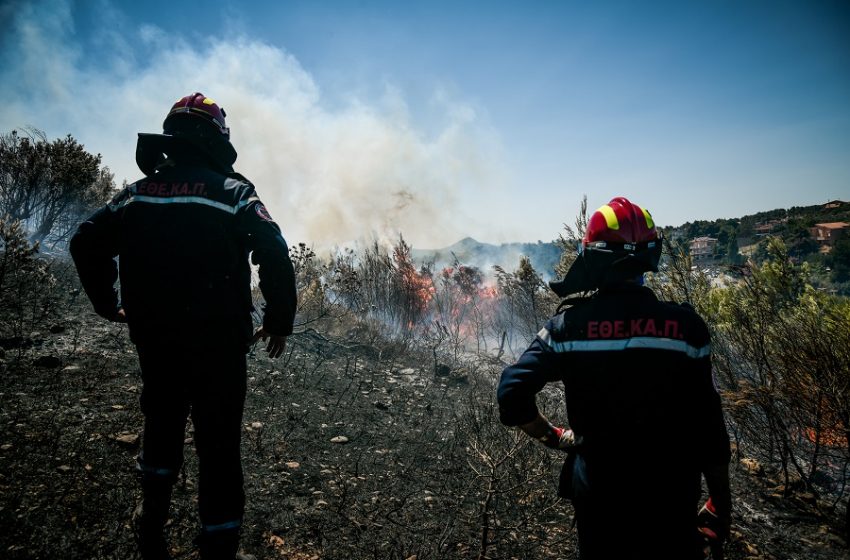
352 448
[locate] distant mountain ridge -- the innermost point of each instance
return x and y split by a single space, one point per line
469 252
544 256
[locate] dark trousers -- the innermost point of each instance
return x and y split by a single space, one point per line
616 529
631 510
206 379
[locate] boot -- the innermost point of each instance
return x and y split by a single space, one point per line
219 545
149 520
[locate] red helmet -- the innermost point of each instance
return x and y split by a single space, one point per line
195 122
197 106
620 243
620 222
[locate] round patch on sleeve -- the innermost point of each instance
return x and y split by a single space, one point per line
262 212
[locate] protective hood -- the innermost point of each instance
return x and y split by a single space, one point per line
579 278
152 149
599 266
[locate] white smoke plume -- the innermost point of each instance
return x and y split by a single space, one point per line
329 175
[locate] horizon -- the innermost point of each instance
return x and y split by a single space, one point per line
530 242
444 120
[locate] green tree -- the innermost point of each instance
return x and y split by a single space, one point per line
732 255
28 291
782 351
677 278
839 261
49 185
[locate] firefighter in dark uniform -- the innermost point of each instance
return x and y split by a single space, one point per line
182 236
644 415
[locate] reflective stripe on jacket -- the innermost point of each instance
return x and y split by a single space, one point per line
636 374
182 237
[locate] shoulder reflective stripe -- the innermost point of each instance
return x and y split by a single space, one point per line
182 200
544 336
613 345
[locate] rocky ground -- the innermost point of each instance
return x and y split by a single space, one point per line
353 448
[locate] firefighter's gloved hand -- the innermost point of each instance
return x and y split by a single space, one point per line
713 523
276 343
559 438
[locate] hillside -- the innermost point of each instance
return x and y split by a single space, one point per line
779 221
468 251
735 236
376 435
422 474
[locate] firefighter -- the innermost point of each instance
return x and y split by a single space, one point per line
182 237
644 415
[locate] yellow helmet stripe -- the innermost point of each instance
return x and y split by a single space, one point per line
649 223
610 217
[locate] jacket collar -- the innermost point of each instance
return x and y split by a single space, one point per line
629 289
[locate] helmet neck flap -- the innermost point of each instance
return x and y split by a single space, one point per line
194 126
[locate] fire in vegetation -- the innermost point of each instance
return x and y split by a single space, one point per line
460 307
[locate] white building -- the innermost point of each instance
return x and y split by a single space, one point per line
702 248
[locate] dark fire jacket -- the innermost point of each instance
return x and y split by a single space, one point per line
638 383
182 237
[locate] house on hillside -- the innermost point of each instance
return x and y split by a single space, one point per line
827 234
766 228
702 248
762 229
834 204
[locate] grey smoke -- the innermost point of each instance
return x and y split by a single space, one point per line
327 175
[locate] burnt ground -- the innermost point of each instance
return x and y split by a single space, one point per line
352 449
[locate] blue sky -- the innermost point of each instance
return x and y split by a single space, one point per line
446 119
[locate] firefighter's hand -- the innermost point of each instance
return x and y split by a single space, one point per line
120 316
551 436
560 438
276 345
